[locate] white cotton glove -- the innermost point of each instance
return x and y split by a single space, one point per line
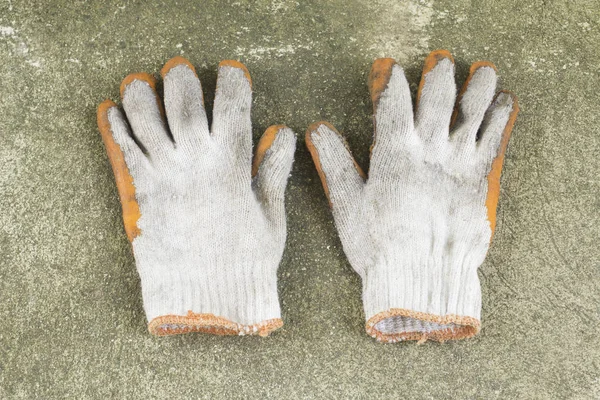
417 230
207 230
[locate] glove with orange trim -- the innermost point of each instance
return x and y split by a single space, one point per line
420 226
207 225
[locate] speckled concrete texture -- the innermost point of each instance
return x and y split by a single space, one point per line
73 324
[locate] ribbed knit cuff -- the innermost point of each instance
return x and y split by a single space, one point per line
424 301
234 301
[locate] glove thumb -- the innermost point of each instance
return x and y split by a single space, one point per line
271 168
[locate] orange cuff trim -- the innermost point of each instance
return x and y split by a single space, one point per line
209 323
466 327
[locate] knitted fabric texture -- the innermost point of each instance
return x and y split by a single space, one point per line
211 235
417 230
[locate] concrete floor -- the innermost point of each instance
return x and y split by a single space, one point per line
73 324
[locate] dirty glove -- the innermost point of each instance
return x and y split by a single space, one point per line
417 230
206 225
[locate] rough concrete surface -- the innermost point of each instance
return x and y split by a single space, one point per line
73 324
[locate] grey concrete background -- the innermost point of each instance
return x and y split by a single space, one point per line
70 305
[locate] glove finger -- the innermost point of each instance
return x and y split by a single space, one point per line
474 99
436 96
496 129
342 178
126 158
343 181
231 116
184 103
145 113
392 107
271 168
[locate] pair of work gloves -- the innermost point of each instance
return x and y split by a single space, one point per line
207 224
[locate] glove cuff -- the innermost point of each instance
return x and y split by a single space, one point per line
167 325
428 301
211 301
